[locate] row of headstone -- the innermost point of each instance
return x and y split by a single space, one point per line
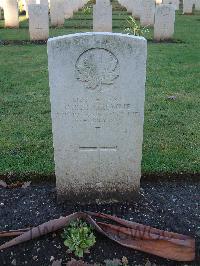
59 10
136 6
143 10
150 13
189 4
39 17
97 92
102 16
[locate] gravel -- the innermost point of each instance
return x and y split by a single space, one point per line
167 205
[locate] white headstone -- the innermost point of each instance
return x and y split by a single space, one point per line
57 12
188 6
197 5
164 22
97 88
68 9
102 16
173 2
147 13
136 8
128 5
38 22
11 13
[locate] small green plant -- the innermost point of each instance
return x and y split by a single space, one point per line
87 10
79 237
135 28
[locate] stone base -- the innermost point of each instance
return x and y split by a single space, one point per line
91 195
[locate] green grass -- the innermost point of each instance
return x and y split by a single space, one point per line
171 129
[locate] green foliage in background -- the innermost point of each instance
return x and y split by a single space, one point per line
87 10
134 28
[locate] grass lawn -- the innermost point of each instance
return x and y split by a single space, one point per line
171 129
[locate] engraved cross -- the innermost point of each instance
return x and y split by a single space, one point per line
98 147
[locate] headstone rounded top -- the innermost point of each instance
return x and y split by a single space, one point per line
97 34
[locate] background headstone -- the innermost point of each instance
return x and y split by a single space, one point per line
147 13
188 6
97 88
173 2
197 5
38 22
136 8
164 22
68 9
11 15
57 12
102 16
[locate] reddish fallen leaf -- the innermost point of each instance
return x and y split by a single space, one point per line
15 185
129 234
13 232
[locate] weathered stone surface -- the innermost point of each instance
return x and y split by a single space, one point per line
147 13
38 22
164 22
11 13
173 2
97 88
57 13
102 16
68 9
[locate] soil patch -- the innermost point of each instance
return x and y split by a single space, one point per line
172 206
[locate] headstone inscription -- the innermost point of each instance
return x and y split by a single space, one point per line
38 22
164 22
